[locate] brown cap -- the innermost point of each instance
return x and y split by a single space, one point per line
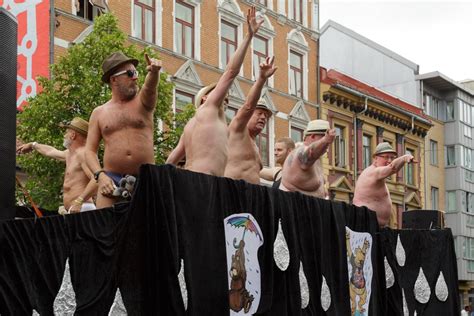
383 148
204 91
114 61
316 127
262 105
77 124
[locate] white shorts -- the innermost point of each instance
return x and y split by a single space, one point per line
87 207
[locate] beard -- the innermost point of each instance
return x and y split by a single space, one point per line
128 92
67 143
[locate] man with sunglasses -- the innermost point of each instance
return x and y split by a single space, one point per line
125 123
204 139
244 160
371 189
303 169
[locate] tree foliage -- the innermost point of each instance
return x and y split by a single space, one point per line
75 89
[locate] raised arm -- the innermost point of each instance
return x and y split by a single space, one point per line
45 150
216 97
148 93
394 166
307 156
239 122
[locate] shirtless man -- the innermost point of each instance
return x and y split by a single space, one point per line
283 148
371 189
204 139
79 185
244 160
125 123
303 170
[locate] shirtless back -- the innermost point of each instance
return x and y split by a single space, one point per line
75 178
204 139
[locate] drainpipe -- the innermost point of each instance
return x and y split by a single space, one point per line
355 138
403 148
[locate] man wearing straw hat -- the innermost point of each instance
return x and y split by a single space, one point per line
124 123
79 186
204 139
244 160
371 189
303 170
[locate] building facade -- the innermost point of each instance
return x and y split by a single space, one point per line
452 104
195 40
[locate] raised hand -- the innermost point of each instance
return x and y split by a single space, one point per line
267 68
252 22
153 65
331 135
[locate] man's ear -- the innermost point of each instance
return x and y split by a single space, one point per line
73 135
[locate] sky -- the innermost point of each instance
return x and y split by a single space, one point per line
436 35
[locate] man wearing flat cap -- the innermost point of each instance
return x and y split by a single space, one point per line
204 140
371 189
244 161
303 170
79 186
124 123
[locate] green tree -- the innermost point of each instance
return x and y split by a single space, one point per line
75 89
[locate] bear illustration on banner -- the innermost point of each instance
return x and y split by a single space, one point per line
243 239
359 266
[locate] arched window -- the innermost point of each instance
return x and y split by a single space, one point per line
297 64
231 20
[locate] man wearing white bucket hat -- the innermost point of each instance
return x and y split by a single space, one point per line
204 140
371 189
303 170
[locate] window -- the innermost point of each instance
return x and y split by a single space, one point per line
228 41
450 156
409 169
184 27
144 19
182 99
434 198
296 134
263 145
466 154
230 113
467 201
449 110
451 201
296 10
434 152
340 147
467 131
366 151
296 74
260 52
87 10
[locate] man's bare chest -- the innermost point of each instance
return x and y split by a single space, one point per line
117 120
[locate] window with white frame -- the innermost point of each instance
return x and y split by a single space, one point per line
231 21
340 147
449 111
89 10
299 119
229 41
296 74
296 9
260 53
466 154
263 144
182 99
297 64
366 150
451 201
144 19
296 133
434 198
450 156
433 152
410 169
184 27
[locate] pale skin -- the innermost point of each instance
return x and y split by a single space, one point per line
244 160
281 151
78 178
371 189
303 170
125 124
204 139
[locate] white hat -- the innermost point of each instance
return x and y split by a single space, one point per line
316 127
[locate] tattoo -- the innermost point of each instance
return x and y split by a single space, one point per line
303 156
290 159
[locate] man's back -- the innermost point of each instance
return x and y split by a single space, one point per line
75 179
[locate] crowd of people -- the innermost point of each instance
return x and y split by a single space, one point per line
208 144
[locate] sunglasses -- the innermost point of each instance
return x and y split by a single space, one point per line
388 157
130 73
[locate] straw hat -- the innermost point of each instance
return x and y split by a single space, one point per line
204 91
111 63
316 127
77 124
262 105
383 148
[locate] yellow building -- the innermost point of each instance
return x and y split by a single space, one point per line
196 38
364 116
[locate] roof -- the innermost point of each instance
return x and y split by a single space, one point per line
334 77
368 42
441 82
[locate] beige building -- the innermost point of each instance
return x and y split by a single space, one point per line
195 40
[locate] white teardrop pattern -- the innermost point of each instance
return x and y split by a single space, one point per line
422 288
281 253
304 289
441 288
325 295
65 301
400 253
182 285
118 307
389 277
406 312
